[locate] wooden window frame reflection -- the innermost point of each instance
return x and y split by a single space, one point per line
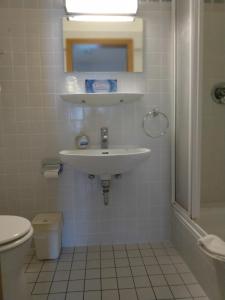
128 43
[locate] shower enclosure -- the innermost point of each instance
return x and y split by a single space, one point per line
212 212
199 135
200 112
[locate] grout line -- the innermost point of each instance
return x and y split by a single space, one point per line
131 272
114 258
54 275
100 271
145 266
34 256
85 271
69 273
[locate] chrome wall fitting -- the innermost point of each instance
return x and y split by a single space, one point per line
104 137
118 176
154 113
105 190
218 93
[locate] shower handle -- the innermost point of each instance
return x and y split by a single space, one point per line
218 93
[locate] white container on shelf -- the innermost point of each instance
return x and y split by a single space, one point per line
48 235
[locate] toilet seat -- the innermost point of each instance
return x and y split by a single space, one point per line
14 231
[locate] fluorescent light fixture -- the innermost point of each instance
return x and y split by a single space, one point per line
97 18
102 7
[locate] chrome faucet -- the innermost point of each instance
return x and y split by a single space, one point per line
104 138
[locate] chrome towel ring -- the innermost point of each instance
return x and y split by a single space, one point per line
151 116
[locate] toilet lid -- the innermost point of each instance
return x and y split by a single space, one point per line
13 228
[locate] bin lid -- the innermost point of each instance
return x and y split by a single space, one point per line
13 228
49 221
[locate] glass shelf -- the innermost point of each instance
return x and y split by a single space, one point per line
108 99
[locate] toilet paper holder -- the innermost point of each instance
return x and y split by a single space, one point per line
52 166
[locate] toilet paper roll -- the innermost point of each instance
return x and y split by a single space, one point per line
51 173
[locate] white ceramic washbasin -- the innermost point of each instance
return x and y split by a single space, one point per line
105 161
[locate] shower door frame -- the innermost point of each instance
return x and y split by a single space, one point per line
195 110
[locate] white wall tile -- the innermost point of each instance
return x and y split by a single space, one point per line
36 123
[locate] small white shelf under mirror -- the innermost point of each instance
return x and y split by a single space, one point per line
107 99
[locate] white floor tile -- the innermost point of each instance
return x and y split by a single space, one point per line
182 268
61 276
107 255
141 282
31 277
107 263
138 271
108 273
63 266
162 293
106 248
132 247
39 297
147 252
188 278
196 290
110 295
158 280
168 269
59 287
30 287
56 296
146 294
92 285
75 295
128 294
109 284
77 274
180 291
113 272
133 253
125 282
123 272
93 273
119 247
92 295
164 260
76 286
120 254
78 265
42 288
94 248
45 276
32 268
173 279
150 260
153 270
122 262
136 261
92 264
80 256
49 267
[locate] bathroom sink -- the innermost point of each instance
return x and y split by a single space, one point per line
105 162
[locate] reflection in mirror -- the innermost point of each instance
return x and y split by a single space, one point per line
103 47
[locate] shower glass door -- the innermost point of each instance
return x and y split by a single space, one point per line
212 214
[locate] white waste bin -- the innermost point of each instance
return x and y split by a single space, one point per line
48 235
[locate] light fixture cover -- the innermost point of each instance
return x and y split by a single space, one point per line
102 7
100 18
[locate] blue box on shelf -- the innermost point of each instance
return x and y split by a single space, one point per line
101 86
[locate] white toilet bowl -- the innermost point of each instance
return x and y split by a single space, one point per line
15 239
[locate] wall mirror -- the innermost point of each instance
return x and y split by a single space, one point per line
103 46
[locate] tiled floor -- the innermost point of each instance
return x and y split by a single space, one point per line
119 272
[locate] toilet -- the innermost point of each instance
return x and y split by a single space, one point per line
15 239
